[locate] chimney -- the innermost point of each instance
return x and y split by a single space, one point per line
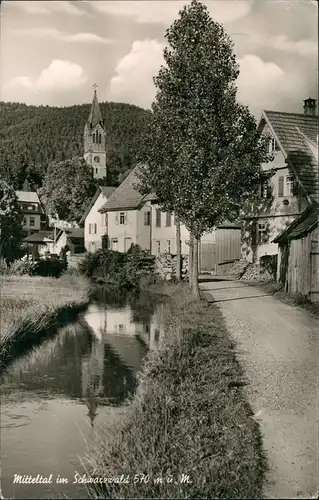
309 107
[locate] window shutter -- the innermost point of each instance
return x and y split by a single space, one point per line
95 228
89 228
116 218
254 233
146 219
125 217
281 187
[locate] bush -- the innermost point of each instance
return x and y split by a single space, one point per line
122 269
46 267
268 264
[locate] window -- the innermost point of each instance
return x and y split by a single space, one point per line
168 246
105 219
273 146
289 185
93 137
32 221
262 233
286 186
168 219
25 222
121 328
100 138
122 217
265 190
96 159
115 244
158 217
147 218
158 247
157 335
96 170
92 228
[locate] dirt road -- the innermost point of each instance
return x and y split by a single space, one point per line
278 348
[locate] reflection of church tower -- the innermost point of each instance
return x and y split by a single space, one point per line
95 140
92 378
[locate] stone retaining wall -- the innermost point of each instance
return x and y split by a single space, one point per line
165 266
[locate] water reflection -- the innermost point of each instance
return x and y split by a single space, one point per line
53 397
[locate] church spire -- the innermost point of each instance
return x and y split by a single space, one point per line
95 140
95 116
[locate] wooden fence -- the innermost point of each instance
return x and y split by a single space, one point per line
222 254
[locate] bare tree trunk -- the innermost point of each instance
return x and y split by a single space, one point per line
178 251
195 287
190 261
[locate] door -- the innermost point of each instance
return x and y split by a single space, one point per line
127 244
115 244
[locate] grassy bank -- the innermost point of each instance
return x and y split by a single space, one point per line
189 417
294 299
31 308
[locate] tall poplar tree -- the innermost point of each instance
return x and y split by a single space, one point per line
203 153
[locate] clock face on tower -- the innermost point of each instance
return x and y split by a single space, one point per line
97 159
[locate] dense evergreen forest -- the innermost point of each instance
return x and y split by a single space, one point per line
32 137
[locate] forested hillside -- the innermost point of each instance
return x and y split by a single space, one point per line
34 136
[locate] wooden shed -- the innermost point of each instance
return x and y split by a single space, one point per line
298 254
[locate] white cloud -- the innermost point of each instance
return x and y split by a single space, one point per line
86 38
48 7
58 35
133 81
261 84
60 75
165 12
283 43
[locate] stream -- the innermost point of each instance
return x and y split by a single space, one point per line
55 398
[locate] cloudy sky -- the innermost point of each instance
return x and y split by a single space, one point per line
53 51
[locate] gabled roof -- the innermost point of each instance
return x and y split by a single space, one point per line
95 116
307 221
126 196
72 233
28 196
107 191
39 237
289 129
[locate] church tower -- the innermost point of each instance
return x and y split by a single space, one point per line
95 140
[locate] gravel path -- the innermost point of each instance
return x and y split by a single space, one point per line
278 348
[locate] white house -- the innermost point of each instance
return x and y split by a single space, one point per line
32 211
95 223
217 247
73 239
128 217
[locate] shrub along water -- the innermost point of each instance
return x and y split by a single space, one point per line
125 270
188 432
31 309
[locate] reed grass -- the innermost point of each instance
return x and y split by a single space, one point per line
31 308
189 417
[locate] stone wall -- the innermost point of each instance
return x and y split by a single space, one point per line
165 266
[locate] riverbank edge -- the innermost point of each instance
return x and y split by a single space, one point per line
30 331
189 417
